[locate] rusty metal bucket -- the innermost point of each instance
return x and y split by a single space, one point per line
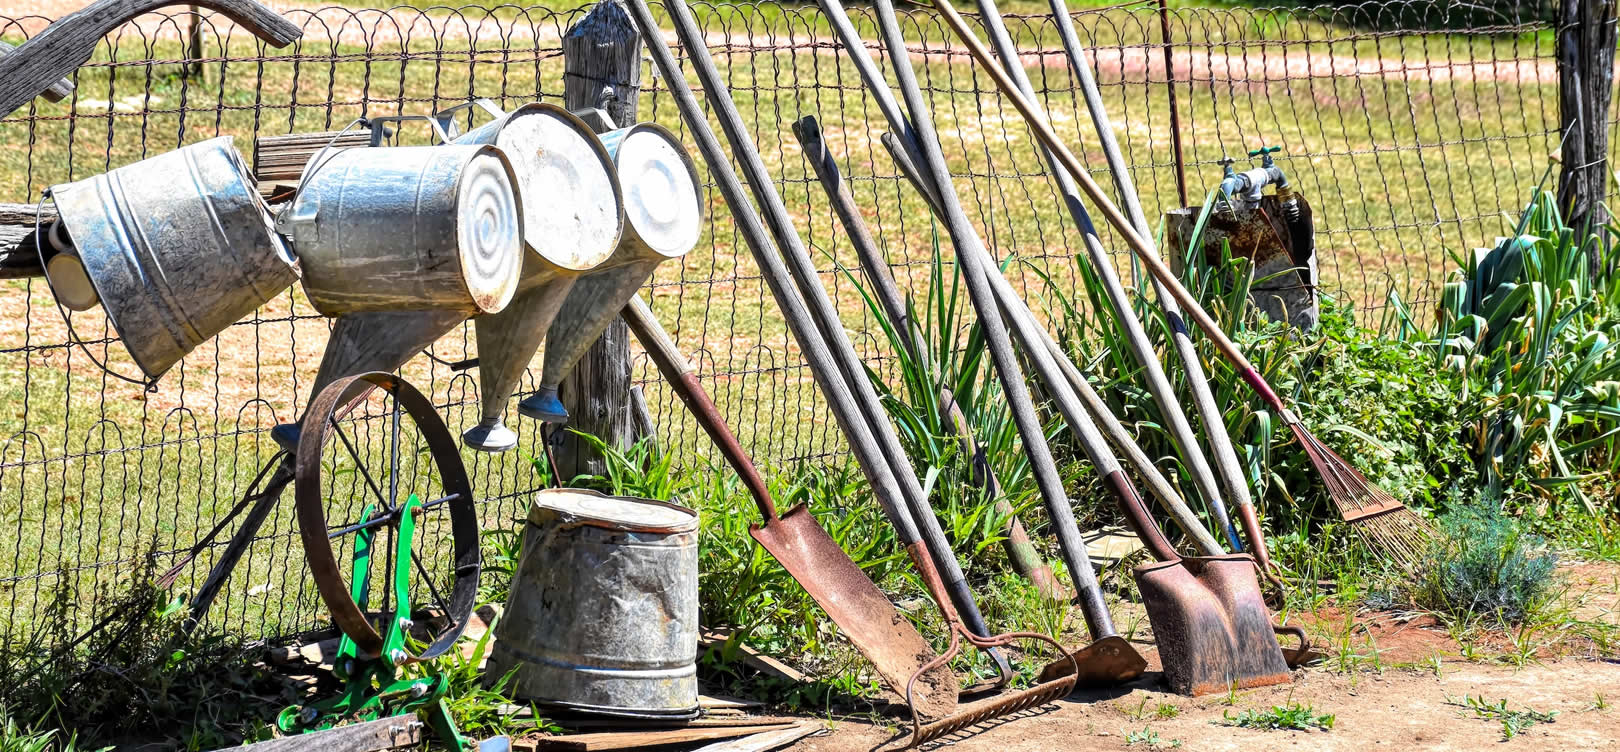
175 247
663 218
573 215
407 228
603 611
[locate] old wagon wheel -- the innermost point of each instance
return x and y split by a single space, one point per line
357 479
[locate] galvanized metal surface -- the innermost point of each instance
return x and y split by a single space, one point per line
408 228
603 610
573 210
178 247
507 342
663 218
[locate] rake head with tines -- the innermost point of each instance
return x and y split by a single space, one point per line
996 707
1386 523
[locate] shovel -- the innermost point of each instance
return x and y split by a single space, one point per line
1209 617
861 611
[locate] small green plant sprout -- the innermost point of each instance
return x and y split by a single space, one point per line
1598 701
1514 722
1137 713
1292 717
1166 710
1149 738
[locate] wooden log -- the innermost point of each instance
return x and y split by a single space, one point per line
614 740
1585 51
19 253
601 52
55 92
399 732
68 42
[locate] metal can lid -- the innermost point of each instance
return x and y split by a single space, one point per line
573 507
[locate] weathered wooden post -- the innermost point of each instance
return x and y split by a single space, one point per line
1585 50
601 68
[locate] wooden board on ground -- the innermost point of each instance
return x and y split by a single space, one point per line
764 742
654 724
1109 545
403 731
756 660
638 739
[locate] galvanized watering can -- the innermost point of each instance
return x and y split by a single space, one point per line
176 248
663 219
401 244
573 213
603 612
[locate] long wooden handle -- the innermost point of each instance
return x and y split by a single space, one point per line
678 372
69 41
1138 245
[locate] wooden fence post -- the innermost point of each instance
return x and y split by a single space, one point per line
600 52
1585 51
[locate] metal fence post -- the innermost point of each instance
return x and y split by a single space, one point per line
601 51
1585 51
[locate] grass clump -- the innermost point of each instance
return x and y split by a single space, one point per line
1485 564
1514 722
1292 717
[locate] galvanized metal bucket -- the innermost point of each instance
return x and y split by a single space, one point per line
407 228
573 213
663 220
176 247
603 612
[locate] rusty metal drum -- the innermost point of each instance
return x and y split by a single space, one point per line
603 611
663 220
175 247
573 213
407 228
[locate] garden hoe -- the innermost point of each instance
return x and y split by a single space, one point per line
832 385
1387 523
1110 659
861 611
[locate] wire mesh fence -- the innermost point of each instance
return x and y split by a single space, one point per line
1407 140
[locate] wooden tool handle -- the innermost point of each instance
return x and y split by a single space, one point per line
69 42
1139 245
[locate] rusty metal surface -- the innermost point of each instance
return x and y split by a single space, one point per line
310 495
603 611
1261 236
1108 662
1211 623
407 227
178 247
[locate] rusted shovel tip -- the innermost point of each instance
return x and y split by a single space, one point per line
1107 662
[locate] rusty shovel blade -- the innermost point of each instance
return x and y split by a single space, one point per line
1108 662
1211 623
861 611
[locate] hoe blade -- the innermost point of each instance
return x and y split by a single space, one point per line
1211 623
1108 662
863 612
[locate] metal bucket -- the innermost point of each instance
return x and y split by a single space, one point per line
573 213
407 228
603 611
177 247
663 219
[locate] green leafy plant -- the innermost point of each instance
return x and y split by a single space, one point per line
1292 717
1149 738
1514 722
1486 564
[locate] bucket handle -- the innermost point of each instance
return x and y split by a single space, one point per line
446 118
150 385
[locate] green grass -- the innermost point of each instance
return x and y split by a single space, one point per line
1292 717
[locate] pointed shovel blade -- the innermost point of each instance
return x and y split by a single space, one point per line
863 612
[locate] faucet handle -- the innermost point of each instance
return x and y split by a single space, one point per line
1264 153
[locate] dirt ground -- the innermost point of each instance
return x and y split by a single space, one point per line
1398 709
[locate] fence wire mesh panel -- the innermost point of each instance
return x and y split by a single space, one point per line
1408 140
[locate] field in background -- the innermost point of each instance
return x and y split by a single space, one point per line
1406 144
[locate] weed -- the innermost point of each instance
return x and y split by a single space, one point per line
1486 564
1139 712
1149 738
478 704
1514 722
1599 702
1292 717
1166 710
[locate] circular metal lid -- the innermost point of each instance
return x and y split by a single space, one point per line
488 235
662 201
573 211
576 506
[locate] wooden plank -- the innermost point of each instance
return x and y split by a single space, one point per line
638 739
718 702
56 92
373 736
753 658
19 257
585 723
764 742
67 43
